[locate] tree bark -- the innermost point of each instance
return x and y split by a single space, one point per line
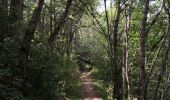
165 59
16 9
15 17
3 19
51 17
143 37
60 24
127 30
24 50
117 68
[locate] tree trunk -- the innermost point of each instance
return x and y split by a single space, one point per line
143 37
16 9
127 30
165 59
24 50
3 19
15 17
117 68
51 17
60 24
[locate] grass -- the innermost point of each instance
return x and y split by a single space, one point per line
101 86
74 90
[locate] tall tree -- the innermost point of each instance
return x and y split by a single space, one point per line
127 12
3 18
29 33
61 23
117 68
51 16
112 39
166 55
15 17
143 37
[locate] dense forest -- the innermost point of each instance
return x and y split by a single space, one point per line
84 49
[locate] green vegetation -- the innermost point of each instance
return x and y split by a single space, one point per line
47 45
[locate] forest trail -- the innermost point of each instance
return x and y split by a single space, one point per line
88 91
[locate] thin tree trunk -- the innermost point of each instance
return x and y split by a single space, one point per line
143 37
109 40
117 69
60 24
165 59
116 72
51 17
24 50
127 30
15 17
3 19
154 60
166 87
16 9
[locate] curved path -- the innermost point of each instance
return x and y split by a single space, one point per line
88 92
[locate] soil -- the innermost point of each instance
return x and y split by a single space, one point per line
88 91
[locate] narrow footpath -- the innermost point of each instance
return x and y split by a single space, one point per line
87 88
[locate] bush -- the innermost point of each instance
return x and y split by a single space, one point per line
47 77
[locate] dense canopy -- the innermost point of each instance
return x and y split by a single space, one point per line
84 49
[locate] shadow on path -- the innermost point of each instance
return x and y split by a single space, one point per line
88 92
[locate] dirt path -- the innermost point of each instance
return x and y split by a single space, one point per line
88 92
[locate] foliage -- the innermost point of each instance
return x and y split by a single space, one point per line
85 41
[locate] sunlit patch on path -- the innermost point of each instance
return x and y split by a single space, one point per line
92 99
